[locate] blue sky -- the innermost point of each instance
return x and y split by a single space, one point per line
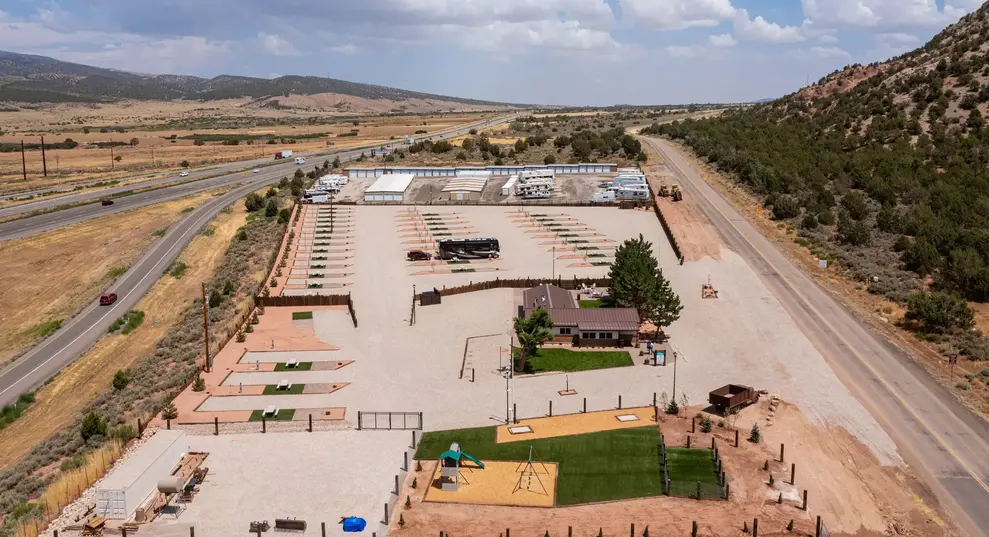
577 52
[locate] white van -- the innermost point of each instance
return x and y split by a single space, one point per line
300 160
604 197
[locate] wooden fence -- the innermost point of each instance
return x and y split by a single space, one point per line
571 284
303 300
669 232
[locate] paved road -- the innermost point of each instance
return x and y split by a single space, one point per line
943 441
84 329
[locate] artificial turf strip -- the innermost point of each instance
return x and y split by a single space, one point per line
301 315
595 467
595 303
554 359
303 366
284 414
691 465
294 389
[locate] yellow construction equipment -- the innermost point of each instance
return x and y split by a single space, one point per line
664 190
676 193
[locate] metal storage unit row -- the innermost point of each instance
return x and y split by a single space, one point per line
134 479
493 170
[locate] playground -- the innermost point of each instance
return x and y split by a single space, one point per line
460 478
592 467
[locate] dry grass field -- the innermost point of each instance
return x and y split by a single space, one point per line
59 402
51 275
155 151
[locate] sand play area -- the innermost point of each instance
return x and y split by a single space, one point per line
574 424
500 483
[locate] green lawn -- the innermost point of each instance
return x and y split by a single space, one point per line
595 467
294 389
284 414
301 315
303 366
693 473
594 303
555 359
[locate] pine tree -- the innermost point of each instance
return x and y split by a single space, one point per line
638 282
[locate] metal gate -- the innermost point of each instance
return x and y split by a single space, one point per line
389 420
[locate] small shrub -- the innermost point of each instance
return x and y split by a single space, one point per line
755 434
199 385
124 432
789 527
401 520
73 462
962 385
706 425
408 502
249 328
242 234
672 408
772 480
120 380
169 412
273 283
765 466
92 425
418 466
241 337
255 319
780 498
415 483
745 527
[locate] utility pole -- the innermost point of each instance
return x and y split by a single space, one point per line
206 326
23 161
675 375
554 263
111 154
152 156
44 160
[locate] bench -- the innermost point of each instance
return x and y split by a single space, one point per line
293 363
283 385
270 411
290 524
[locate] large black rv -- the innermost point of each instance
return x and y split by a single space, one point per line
468 248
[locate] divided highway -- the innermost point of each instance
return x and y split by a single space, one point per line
83 330
944 442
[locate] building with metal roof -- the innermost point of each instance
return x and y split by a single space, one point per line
389 187
583 327
448 171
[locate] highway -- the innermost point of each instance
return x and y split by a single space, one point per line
944 442
84 329
196 176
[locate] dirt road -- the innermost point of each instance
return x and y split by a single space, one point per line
943 441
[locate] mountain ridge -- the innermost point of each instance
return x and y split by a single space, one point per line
39 79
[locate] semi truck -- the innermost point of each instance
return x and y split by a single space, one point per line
283 154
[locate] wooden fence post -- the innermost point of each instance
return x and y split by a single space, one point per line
569 530
619 402
413 439
793 473
216 426
693 529
551 408
310 423
515 413
405 461
693 425
168 425
688 441
322 526
817 532
358 420
631 532
396 485
585 405
712 445
736 437
782 448
264 425
386 513
653 398
192 531
755 527
804 506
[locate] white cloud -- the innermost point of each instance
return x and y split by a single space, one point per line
676 14
506 38
277 45
759 29
692 51
827 38
724 40
898 37
885 15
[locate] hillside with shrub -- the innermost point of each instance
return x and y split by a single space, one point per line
882 169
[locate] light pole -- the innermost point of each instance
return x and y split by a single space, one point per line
554 263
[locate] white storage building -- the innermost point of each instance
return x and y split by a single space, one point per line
389 187
136 478
506 189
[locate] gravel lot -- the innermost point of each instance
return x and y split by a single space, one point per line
416 368
316 477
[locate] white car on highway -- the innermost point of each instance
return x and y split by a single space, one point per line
184 174
255 170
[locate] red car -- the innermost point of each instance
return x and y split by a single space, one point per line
107 299
418 255
107 202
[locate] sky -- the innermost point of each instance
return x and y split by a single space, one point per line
560 52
